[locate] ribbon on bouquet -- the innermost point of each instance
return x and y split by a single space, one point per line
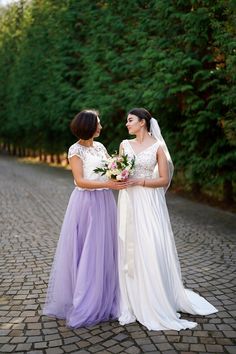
126 231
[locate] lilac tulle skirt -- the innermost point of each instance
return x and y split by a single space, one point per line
83 285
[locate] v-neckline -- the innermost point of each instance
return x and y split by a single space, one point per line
136 154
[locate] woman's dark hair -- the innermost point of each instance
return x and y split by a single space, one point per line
84 125
142 113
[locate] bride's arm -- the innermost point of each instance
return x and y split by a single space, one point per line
77 170
162 180
121 149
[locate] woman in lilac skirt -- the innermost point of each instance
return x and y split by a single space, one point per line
83 286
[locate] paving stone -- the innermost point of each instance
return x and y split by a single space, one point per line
116 349
71 340
197 348
207 340
55 343
127 344
69 348
23 347
138 334
34 339
106 335
41 345
143 341
7 348
209 327
18 340
83 344
231 349
159 339
96 348
224 341
120 337
33 332
230 334
214 348
148 348
4 332
200 334
133 350
186 339
4 340
179 346
34 326
52 336
54 351
109 343
50 324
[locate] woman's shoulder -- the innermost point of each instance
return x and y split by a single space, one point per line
74 149
99 146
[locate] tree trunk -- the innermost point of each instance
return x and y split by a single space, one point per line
58 159
40 155
228 191
52 158
14 150
196 188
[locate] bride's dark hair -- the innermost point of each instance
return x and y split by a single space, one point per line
142 113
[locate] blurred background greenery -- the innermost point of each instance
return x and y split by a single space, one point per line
176 58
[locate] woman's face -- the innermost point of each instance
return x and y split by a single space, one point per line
133 124
98 130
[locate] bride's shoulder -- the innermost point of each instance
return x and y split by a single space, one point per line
126 141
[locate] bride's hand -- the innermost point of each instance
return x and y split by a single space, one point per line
136 182
117 185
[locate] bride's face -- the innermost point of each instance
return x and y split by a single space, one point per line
98 130
133 124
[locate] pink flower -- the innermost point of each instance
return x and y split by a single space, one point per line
125 174
112 166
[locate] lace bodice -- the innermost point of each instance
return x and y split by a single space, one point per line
92 158
145 161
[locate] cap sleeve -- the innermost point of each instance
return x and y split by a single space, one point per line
74 150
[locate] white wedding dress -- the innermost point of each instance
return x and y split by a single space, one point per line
151 287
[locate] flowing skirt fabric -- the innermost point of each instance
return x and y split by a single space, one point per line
83 286
150 278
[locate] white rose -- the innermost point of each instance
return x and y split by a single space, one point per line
108 174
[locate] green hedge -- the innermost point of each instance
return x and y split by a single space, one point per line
177 58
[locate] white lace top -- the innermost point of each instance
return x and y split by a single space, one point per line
92 157
145 161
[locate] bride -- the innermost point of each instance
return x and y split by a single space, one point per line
151 287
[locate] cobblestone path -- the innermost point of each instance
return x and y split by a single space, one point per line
33 200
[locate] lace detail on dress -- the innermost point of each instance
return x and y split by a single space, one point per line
145 161
83 151
92 158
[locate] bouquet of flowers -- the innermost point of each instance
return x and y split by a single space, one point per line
117 167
